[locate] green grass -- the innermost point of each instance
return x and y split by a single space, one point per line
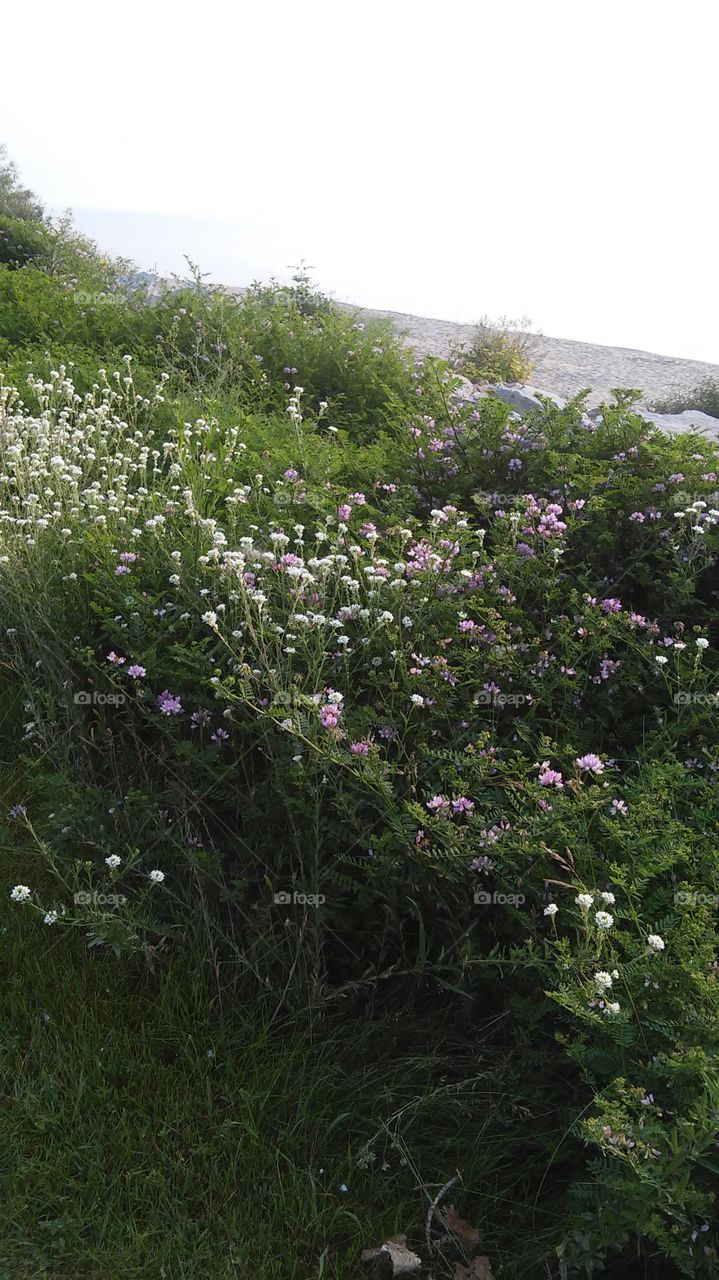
132 1152
157 1125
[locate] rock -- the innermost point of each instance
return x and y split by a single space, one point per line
523 397
690 419
465 392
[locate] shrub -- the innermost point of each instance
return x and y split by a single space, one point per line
16 201
420 713
22 242
704 397
500 351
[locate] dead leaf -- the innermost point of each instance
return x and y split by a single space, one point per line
393 1258
567 864
478 1269
468 1235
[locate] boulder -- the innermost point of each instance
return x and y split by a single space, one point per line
465 392
690 419
523 397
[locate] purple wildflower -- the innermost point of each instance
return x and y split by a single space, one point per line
591 763
462 805
169 703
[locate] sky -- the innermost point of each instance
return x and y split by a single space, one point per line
549 159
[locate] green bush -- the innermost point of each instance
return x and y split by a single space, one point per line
500 351
21 242
16 201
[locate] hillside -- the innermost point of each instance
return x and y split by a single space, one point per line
563 365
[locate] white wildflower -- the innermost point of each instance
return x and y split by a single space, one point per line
604 920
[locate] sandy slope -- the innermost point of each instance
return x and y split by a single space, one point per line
564 366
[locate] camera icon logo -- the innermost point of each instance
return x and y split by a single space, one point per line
283 898
82 698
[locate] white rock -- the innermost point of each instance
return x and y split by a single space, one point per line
690 419
524 397
465 392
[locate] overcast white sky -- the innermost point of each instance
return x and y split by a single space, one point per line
549 158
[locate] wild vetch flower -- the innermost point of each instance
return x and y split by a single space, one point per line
702 642
169 703
120 570
661 660
438 804
608 898
549 777
604 920
128 557
359 748
585 901
551 910
210 618
603 980
50 917
17 811
417 699
113 657
612 1008
655 942
462 805
617 806
157 877
113 861
136 671
591 763
219 736
199 717
20 893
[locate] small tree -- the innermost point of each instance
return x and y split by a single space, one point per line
16 201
